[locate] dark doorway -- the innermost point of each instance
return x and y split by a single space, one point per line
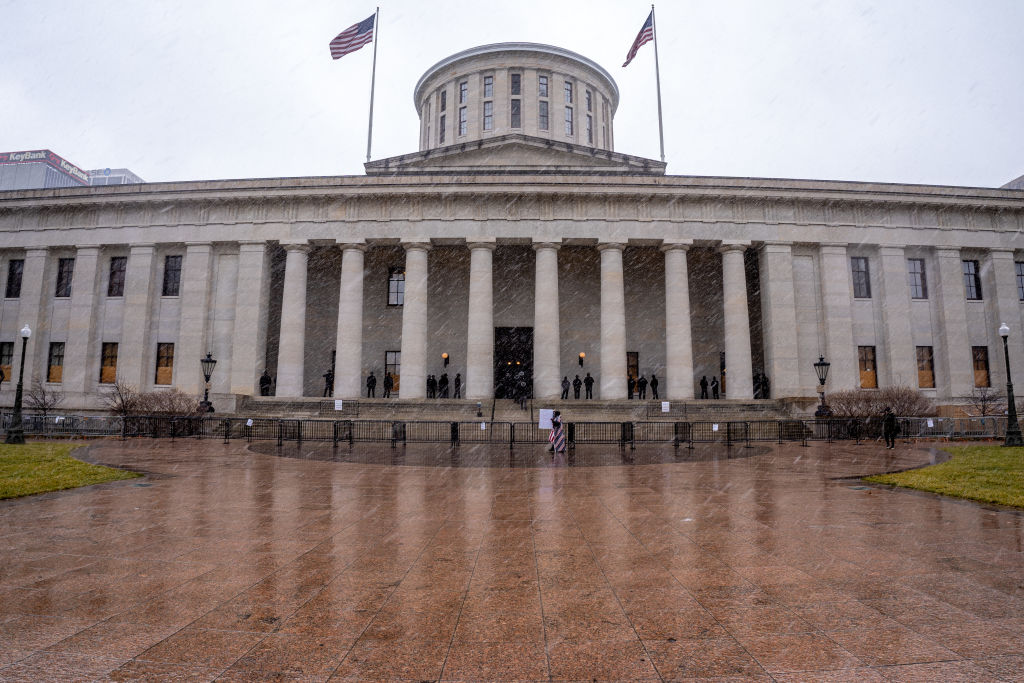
513 360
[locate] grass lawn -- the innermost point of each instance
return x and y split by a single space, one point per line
41 467
990 474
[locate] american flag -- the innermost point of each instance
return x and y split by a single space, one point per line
352 38
646 35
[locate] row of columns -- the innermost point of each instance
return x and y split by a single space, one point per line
479 380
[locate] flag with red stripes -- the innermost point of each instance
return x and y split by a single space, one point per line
352 38
646 35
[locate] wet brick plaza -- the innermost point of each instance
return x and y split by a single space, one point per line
420 563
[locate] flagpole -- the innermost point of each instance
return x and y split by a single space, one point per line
373 83
657 80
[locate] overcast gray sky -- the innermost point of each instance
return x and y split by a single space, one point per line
924 91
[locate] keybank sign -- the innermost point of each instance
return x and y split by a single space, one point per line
46 156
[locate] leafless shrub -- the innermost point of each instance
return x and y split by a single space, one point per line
903 401
985 401
126 400
42 398
122 399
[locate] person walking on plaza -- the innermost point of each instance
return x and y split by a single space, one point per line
442 385
458 386
890 428
704 386
630 386
588 383
389 384
329 383
654 386
641 387
565 388
714 387
265 381
557 435
576 385
371 386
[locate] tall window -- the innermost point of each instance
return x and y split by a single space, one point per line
488 115
15 267
917 279
463 92
972 282
488 86
396 287
515 115
589 101
868 369
462 121
164 363
108 363
542 115
444 100
115 283
393 366
65 271
515 84
980 356
925 368
542 86
590 129
568 92
55 363
568 121
861 277
6 359
604 124
172 275
440 129
1020 280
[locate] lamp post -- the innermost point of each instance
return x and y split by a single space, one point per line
15 431
207 364
1013 436
821 370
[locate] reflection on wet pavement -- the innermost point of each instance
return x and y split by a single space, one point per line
485 564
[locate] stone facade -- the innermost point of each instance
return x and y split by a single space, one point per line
580 249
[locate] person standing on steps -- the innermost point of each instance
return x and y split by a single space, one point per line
588 383
329 383
371 386
641 387
704 386
714 388
565 388
654 386
265 381
630 386
389 384
576 385
442 385
458 385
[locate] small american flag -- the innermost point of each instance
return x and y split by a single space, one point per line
646 35
352 38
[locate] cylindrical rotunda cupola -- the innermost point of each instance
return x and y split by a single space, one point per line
507 88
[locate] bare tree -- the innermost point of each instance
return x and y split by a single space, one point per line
985 401
122 399
42 398
902 400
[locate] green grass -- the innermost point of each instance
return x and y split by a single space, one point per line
41 467
989 474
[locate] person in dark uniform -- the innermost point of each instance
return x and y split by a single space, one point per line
890 428
654 386
576 385
458 386
588 382
714 387
630 386
431 386
371 386
704 386
442 385
641 387
766 389
265 381
329 383
389 384
565 388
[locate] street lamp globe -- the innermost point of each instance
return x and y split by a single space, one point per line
26 332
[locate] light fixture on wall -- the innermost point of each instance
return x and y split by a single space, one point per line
581 357
444 357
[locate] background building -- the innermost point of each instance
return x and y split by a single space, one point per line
39 168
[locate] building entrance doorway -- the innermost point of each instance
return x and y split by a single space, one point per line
513 361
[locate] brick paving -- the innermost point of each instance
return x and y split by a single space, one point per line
423 564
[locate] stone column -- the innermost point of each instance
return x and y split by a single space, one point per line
291 354
547 342
35 288
837 318
678 380
195 310
1006 308
739 382
348 372
413 380
81 362
956 348
133 352
613 323
778 313
480 335
900 352
249 338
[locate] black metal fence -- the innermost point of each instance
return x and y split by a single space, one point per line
509 433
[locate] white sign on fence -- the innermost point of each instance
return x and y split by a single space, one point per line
714 427
248 423
545 418
483 426
664 406
931 423
338 403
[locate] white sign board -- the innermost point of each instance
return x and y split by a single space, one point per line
248 423
338 404
931 423
664 406
545 418
483 426
714 427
